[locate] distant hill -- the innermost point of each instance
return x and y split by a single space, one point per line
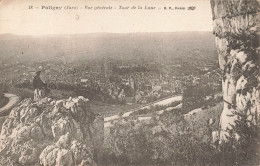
179 46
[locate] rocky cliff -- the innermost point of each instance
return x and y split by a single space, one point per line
52 132
237 31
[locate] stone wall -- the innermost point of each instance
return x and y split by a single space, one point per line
237 31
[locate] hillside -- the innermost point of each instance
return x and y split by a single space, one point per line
177 46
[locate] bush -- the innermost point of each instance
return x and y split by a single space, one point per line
3 99
164 141
24 84
170 141
3 88
195 96
243 144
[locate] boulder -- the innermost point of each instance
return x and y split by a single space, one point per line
52 133
64 157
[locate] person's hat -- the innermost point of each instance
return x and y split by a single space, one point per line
38 72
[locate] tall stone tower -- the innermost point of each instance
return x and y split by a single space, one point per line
237 31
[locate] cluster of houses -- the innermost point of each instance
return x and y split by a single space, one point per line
138 87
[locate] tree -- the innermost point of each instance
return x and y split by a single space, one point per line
194 96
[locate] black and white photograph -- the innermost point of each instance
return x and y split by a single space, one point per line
129 82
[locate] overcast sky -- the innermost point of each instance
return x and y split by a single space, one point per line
16 18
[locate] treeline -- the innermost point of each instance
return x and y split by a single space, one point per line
200 95
123 70
3 88
3 99
92 93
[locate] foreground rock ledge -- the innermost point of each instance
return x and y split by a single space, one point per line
52 133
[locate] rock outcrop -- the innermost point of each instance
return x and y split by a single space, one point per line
52 133
237 31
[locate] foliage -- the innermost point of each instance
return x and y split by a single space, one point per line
160 142
127 69
3 88
155 108
24 84
195 96
3 99
170 140
243 145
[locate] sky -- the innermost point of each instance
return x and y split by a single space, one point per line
17 18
